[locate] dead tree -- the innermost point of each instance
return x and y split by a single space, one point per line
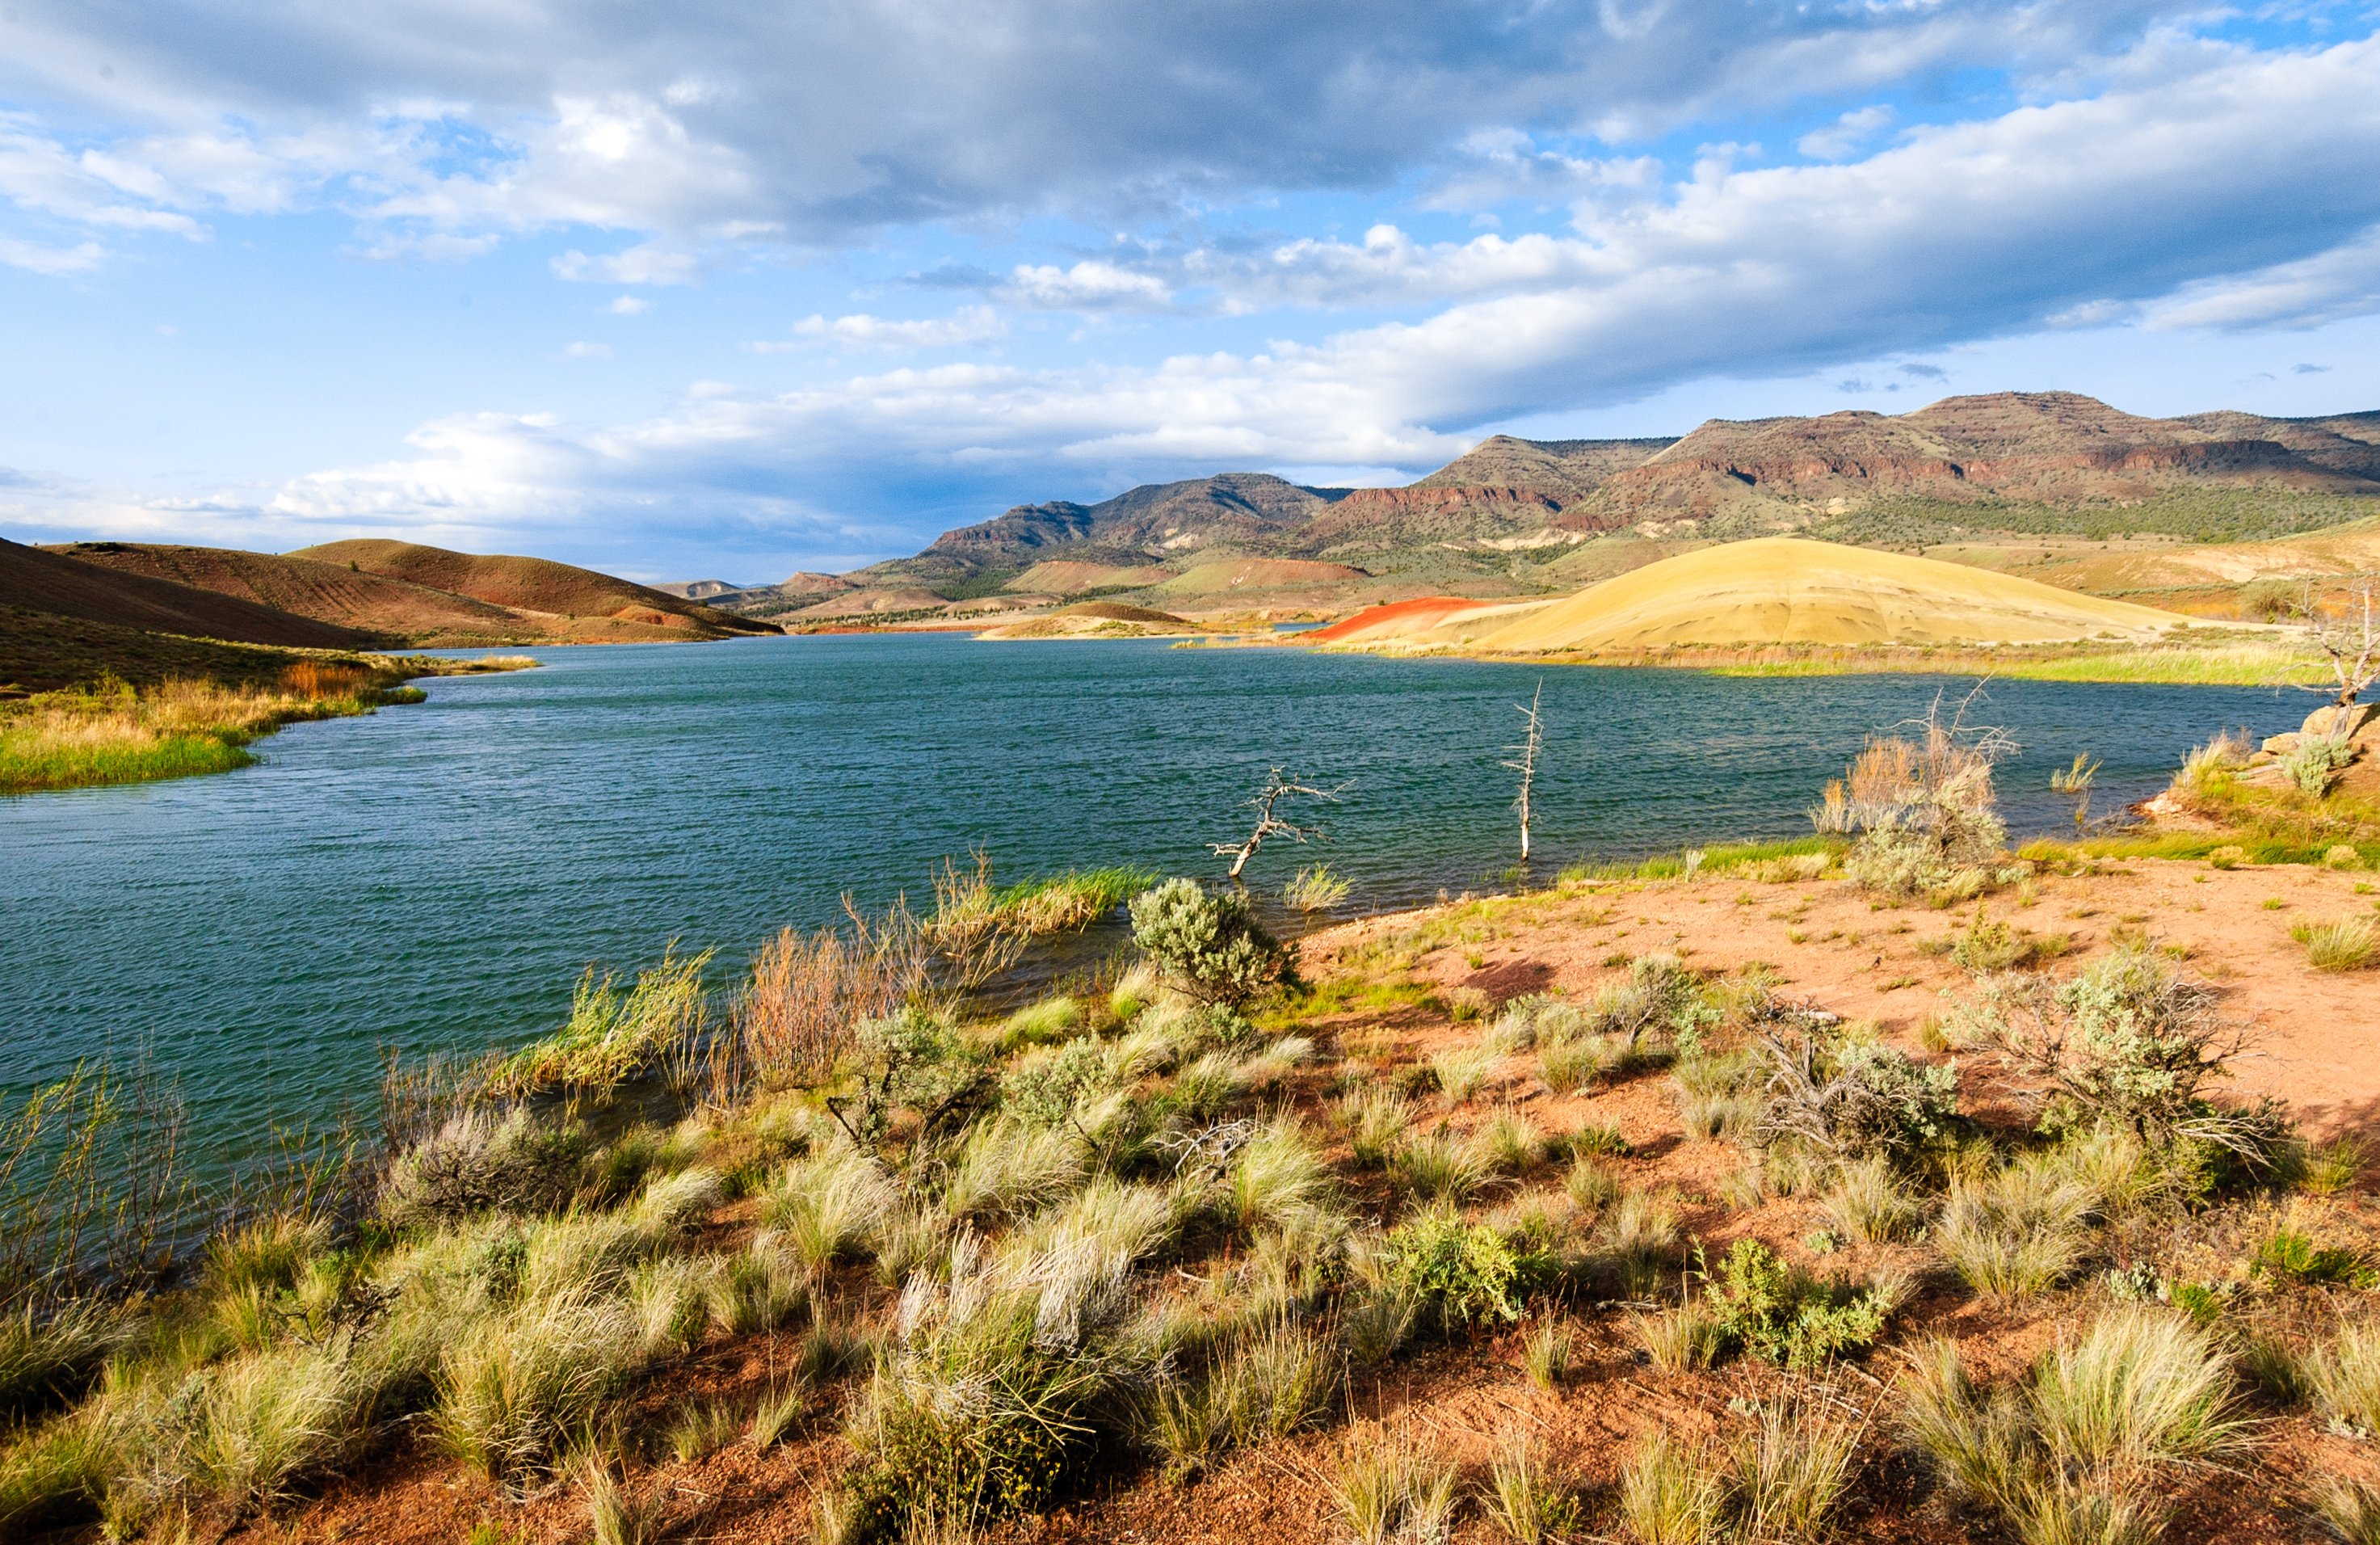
1269 823
2352 639
1531 740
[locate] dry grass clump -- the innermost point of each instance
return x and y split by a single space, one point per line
1872 1201
1680 1339
1460 1070
1523 1500
513 1388
2018 1232
1545 1352
2082 1449
1782 1481
2347 945
1440 1167
1392 1490
828 1204
2344 1377
1376 1119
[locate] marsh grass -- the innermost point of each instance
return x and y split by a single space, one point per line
113 733
614 1033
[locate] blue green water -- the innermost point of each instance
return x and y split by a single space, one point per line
435 876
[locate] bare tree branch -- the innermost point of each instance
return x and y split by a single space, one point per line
1269 823
2352 639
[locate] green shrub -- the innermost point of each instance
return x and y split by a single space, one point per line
914 1060
1779 1313
2316 761
1208 944
1463 1272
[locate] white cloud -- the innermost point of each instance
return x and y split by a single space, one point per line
628 305
583 350
2343 282
1959 232
1088 286
1846 134
968 324
81 258
647 263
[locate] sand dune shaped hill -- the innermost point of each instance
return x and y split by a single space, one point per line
1787 589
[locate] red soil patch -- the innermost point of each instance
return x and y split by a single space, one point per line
1437 608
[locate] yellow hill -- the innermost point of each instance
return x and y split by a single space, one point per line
1790 591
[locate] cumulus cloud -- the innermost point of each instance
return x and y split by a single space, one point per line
820 126
1088 286
1958 232
1846 134
2307 292
968 324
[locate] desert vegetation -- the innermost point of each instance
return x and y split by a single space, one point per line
964 1267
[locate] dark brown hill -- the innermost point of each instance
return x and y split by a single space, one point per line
328 593
38 580
534 585
1567 469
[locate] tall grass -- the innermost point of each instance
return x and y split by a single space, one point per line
614 1034
113 733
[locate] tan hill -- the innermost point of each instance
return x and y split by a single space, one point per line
1792 590
1067 576
1108 619
1245 580
37 579
540 588
1429 621
871 601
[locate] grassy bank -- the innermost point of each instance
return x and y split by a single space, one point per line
116 733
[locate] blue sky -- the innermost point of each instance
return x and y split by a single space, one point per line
706 289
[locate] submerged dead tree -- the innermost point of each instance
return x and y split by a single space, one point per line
1271 822
1531 739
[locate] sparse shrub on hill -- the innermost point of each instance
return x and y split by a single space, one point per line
2128 1043
1208 944
1850 1099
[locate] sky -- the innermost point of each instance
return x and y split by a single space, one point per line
717 289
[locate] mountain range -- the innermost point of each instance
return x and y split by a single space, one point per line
1515 517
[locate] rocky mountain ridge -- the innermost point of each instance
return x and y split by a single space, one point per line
1511 516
